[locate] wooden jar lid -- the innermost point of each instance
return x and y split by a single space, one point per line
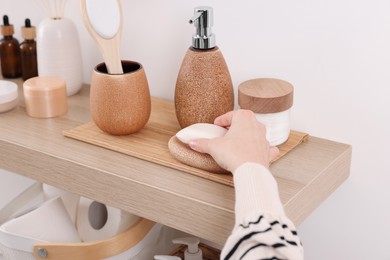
265 95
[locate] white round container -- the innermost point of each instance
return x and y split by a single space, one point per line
271 100
8 95
58 52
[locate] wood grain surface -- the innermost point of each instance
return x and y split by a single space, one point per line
151 143
100 249
37 148
265 95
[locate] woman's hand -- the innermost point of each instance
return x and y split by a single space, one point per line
244 142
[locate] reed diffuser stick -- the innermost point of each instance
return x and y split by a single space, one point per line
55 9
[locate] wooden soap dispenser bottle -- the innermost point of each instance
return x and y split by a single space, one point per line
204 88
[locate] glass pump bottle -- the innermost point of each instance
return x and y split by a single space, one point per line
204 88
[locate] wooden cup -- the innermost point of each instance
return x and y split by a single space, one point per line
120 103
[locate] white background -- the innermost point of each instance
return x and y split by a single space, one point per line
336 54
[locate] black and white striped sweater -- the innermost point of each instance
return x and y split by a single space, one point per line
262 230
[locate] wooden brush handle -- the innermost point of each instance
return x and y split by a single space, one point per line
109 46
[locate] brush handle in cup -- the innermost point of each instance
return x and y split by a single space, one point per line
107 34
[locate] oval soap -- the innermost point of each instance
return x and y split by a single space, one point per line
200 130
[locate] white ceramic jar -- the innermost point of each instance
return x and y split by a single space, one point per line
58 52
271 100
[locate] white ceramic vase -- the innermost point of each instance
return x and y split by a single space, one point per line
58 52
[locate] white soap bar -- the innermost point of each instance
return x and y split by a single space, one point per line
200 130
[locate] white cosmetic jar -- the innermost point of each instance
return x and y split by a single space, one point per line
271 100
8 95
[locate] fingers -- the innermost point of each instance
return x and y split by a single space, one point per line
200 145
224 120
273 153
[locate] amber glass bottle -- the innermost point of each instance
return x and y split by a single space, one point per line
9 52
28 51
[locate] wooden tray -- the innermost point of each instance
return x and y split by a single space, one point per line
151 143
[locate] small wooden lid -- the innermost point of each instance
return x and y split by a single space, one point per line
28 33
7 30
265 95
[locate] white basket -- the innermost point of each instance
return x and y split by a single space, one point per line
139 242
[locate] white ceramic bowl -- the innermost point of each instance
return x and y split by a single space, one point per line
8 95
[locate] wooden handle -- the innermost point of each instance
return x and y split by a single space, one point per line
111 54
95 250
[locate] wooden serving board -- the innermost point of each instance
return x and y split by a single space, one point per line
151 143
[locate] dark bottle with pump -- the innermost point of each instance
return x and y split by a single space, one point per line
28 51
9 51
204 88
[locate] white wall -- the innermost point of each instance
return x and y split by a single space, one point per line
337 55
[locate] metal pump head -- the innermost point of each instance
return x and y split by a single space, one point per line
203 21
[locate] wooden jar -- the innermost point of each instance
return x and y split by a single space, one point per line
271 100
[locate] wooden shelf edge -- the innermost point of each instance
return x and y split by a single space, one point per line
299 207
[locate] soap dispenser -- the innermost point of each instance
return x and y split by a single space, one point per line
204 88
192 252
9 51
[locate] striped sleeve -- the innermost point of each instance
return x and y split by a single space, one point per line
262 230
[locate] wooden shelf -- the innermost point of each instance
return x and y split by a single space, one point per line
37 149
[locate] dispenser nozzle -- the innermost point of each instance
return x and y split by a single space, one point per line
203 21
196 16
192 252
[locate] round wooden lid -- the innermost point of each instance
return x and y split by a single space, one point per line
265 95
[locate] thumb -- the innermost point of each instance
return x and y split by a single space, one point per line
273 153
201 145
